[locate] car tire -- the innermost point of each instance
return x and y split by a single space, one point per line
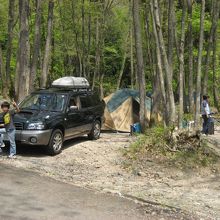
56 142
96 131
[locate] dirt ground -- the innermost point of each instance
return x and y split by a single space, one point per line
98 165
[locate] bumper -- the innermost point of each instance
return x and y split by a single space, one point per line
33 137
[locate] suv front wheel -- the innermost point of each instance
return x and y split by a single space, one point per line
96 130
56 142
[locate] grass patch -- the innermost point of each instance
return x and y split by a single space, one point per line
159 144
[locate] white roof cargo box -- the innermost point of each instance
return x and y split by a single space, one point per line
71 82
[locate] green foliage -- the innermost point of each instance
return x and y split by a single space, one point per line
154 140
157 144
196 20
67 49
3 22
194 158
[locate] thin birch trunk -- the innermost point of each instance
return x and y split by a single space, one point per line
215 63
140 62
214 72
36 47
160 68
23 55
87 69
47 52
215 17
66 56
168 76
83 40
190 62
97 60
121 71
181 68
170 34
73 15
132 57
123 63
199 66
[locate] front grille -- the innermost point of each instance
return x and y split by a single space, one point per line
19 126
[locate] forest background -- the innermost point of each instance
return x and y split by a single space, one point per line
167 48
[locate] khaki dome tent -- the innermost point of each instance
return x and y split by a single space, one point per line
122 110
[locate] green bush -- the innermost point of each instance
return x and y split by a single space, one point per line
158 144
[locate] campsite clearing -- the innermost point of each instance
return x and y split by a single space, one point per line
99 165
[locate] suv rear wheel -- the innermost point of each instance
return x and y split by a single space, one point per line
56 142
96 130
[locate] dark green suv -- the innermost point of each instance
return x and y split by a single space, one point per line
48 117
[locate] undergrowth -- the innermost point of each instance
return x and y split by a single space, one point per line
158 144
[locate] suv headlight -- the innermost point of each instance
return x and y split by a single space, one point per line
36 126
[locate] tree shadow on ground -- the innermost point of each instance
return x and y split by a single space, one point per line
40 151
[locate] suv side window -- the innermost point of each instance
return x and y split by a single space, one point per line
89 100
86 102
75 101
95 99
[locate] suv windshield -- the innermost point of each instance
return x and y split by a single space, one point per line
47 102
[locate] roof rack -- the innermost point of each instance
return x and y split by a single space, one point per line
77 90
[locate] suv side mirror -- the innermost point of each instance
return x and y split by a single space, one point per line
73 108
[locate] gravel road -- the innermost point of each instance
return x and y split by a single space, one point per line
97 165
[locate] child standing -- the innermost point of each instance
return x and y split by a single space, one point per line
8 126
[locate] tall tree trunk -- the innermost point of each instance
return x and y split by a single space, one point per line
73 15
170 34
140 61
131 45
160 69
132 56
150 46
215 79
23 58
97 59
181 68
156 100
199 66
215 64
83 40
190 49
102 60
87 69
80 64
106 6
168 75
215 19
123 63
151 57
11 15
36 46
5 85
176 39
131 30
121 70
66 57
47 52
